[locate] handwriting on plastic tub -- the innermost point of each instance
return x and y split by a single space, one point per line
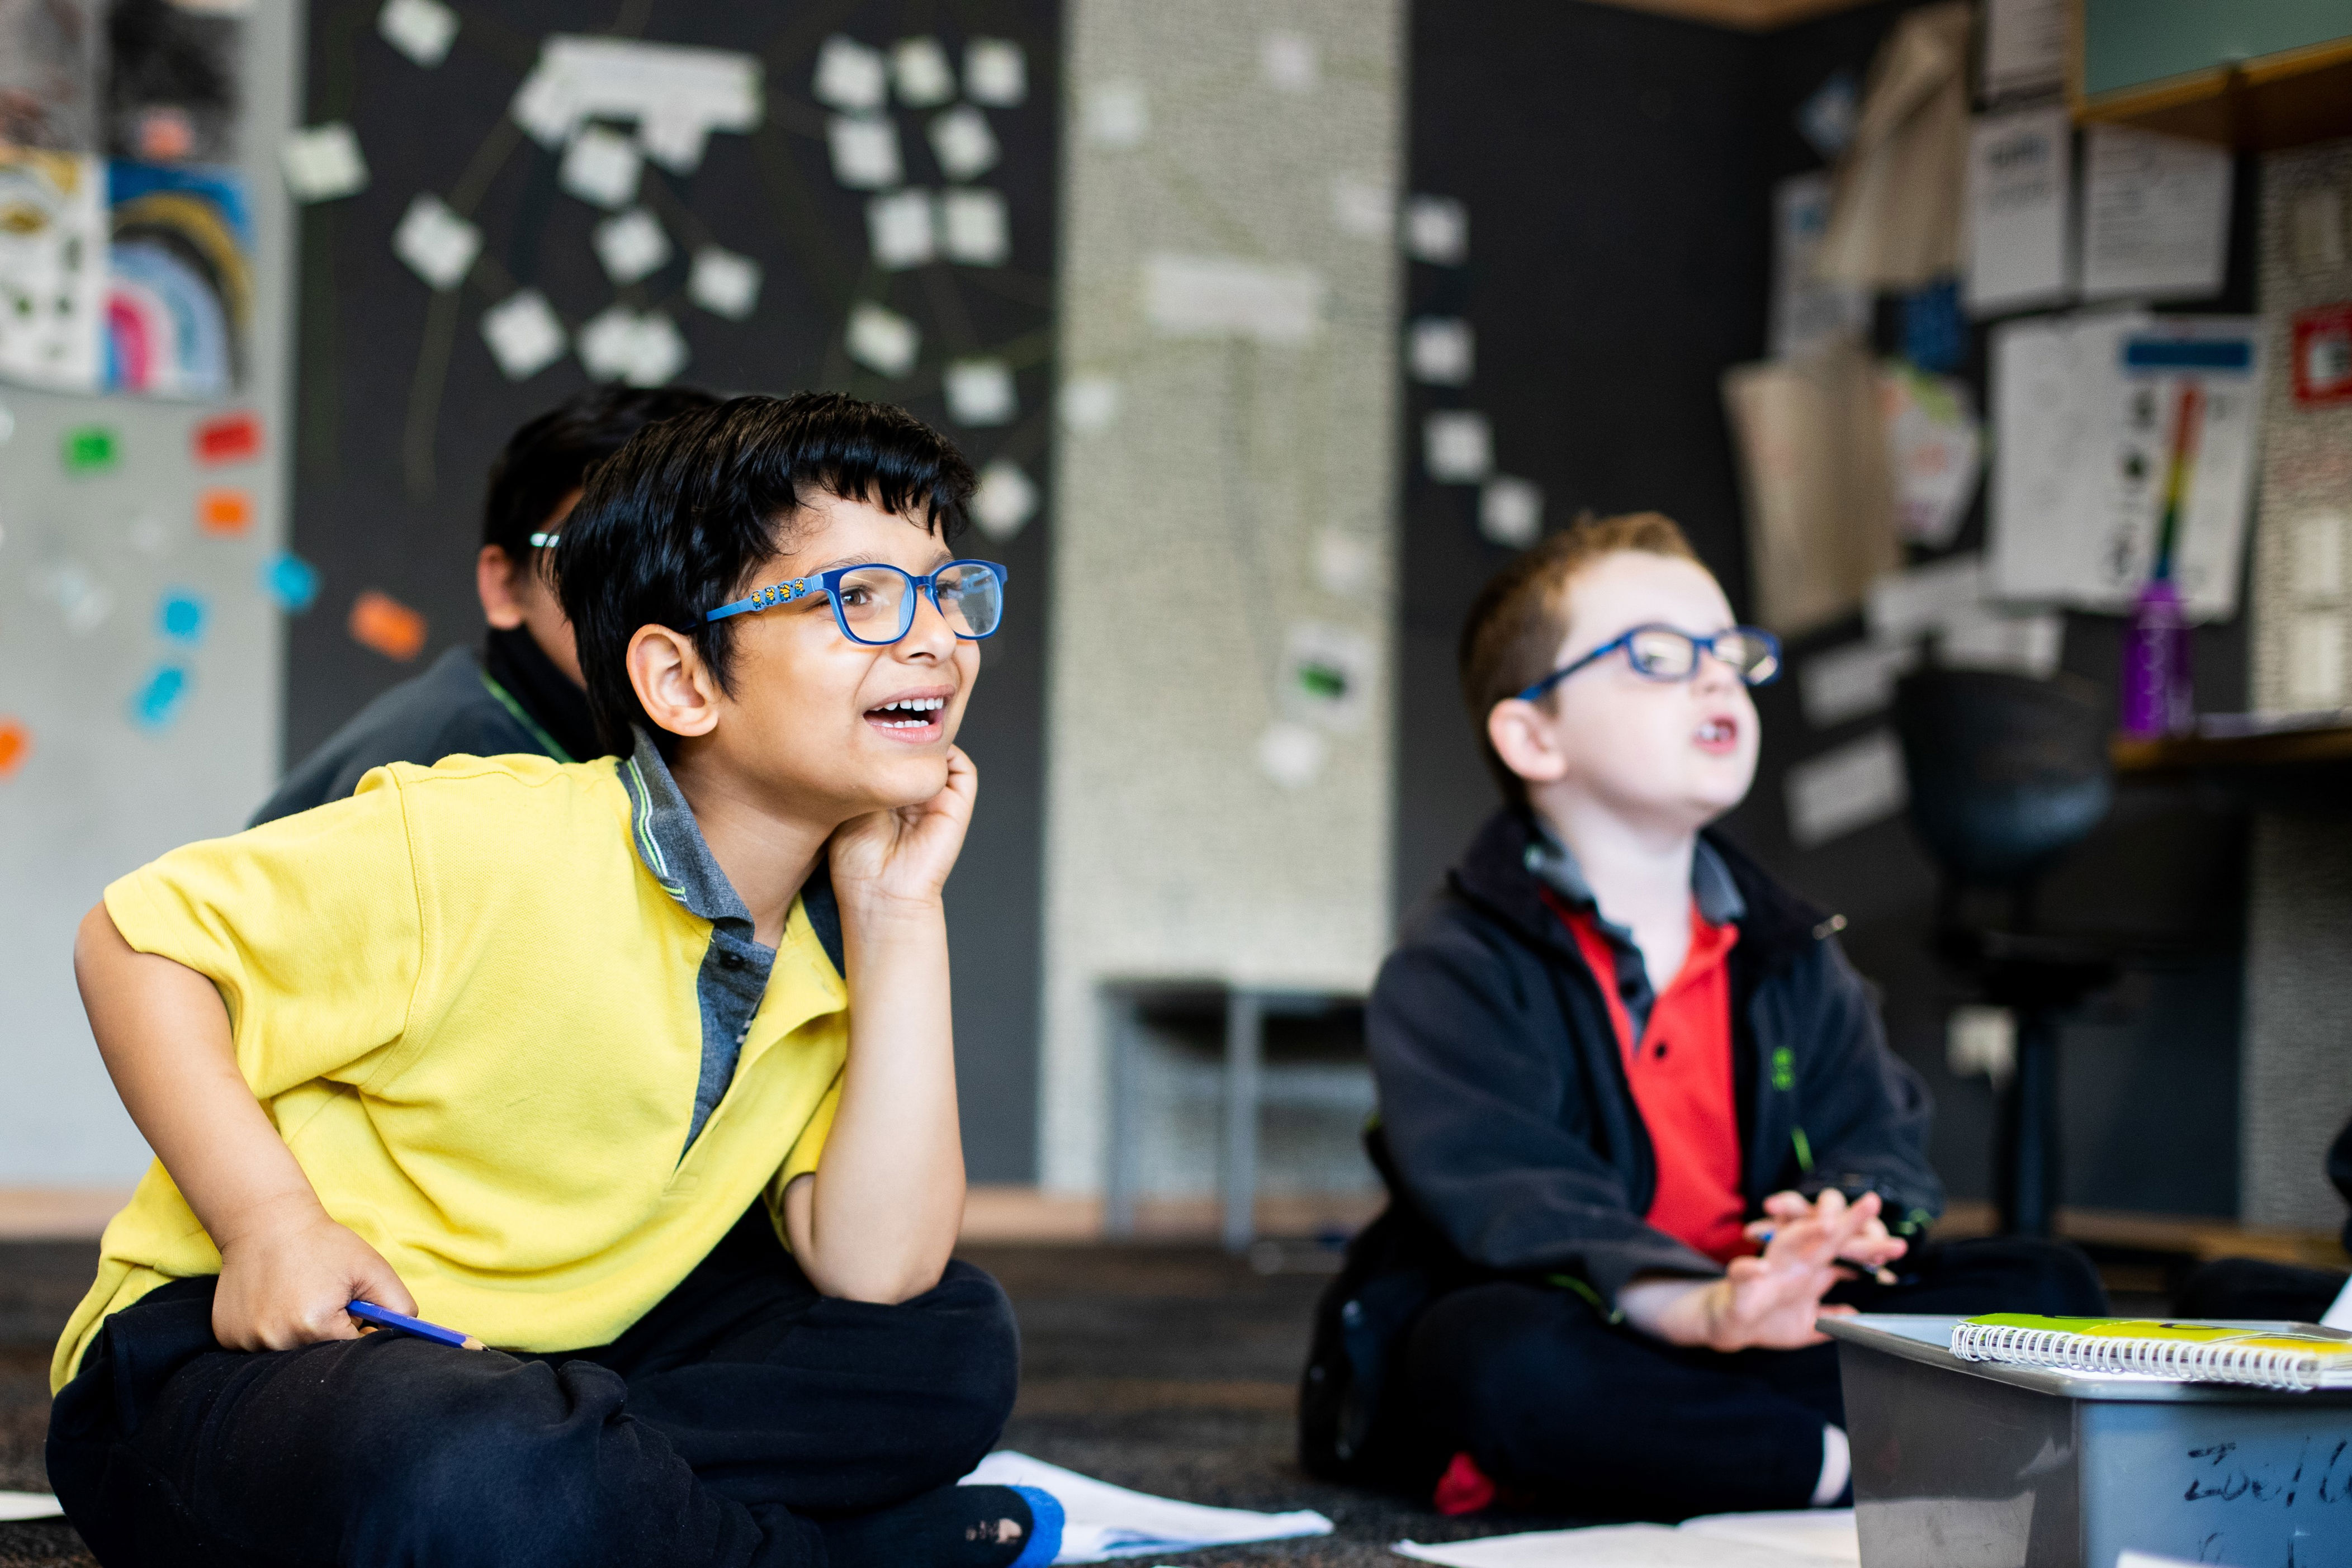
2324 1476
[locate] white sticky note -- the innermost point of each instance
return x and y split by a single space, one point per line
1440 351
980 393
438 245
1115 114
1510 511
1291 754
1005 500
421 30
1847 787
1289 62
619 345
898 228
995 72
865 150
1088 404
602 167
962 142
850 76
973 228
631 245
882 340
920 69
2315 660
1437 229
523 333
1848 681
1346 563
1457 446
324 162
2317 539
1226 297
724 283
1363 206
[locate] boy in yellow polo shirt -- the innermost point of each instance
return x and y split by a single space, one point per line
639 1071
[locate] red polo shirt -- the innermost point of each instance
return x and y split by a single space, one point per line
1680 1071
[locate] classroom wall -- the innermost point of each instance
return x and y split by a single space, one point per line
1224 489
1618 263
87 561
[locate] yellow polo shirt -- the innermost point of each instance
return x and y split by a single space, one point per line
468 997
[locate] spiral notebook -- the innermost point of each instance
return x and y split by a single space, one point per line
2265 1356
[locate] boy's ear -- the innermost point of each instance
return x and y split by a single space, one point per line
1522 737
497 580
675 687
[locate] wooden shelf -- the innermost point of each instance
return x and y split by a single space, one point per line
2204 754
2284 99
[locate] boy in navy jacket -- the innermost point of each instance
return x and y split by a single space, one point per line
1637 1113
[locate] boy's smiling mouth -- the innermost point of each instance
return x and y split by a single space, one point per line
914 716
1720 734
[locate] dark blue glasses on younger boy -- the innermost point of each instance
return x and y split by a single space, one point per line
1665 653
875 604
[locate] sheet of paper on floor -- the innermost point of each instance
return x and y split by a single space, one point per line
1803 1539
1103 1521
14 1505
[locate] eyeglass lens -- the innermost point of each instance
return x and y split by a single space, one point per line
1668 655
878 602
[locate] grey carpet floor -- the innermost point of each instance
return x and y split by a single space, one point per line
1171 1370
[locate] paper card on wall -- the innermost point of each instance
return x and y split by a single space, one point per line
974 228
849 75
1936 451
2316 223
2156 214
421 30
53 269
2315 546
724 283
15 745
1227 297
291 583
437 245
882 340
1116 115
227 438
161 697
1326 675
1848 681
603 168
379 621
324 162
81 599
224 513
898 227
675 95
524 334
963 144
1510 511
980 393
1005 500
2020 184
91 449
1845 788
1087 403
2024 47
181 615
1363 207
919 70
1346 563
1289 62
865 149
1808 311
2323 354
1440 351
1291 754
995 72
1903 606
1437 230
631 245
619 345
1457 446
2315 660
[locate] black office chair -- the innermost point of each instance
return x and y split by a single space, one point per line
2007 774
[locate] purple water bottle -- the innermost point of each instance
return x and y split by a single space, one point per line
2160 697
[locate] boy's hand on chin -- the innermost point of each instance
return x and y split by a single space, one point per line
903 856
286 1285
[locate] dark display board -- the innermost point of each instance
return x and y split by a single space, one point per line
402 405
1617 170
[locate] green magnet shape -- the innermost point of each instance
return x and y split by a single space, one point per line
91 449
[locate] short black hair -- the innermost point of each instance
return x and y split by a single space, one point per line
549 458
681 519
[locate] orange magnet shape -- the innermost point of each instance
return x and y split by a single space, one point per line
224 514
15 745
382 622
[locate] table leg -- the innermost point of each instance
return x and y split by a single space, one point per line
1244 1047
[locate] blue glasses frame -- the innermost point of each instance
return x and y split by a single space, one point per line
829 584
1770 663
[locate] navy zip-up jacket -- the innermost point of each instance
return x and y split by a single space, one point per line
1509 1127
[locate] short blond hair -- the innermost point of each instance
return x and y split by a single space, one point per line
1520 618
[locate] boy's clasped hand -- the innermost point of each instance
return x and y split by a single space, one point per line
1771 1300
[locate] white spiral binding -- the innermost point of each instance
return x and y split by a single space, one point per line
2187 1360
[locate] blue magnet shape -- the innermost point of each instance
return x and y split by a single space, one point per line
159 700
292 581
180 616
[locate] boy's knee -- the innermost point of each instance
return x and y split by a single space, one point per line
976 1344
1484 1353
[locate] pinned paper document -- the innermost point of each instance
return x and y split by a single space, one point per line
898 228
1935 450
2024 47
1440 351
1457 446
1004 501
1845 788
980 391
1813 469
421 30
1807 311
437 245
995 72
865 149
920 72
850 76
724 283
962 142
322 163
631 245
1851 680
1437 230
1228 297
602 167
2021 186
523 333
2156 214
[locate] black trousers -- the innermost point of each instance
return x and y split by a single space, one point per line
712 1432
1570 1412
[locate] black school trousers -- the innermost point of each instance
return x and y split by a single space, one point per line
1566 1411
712 1432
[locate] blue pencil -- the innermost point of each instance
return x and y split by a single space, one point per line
384 1318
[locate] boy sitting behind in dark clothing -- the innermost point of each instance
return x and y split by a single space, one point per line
522 694
1637 1114
640 1071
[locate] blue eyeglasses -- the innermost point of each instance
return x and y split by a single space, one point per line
1666 654
875 604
